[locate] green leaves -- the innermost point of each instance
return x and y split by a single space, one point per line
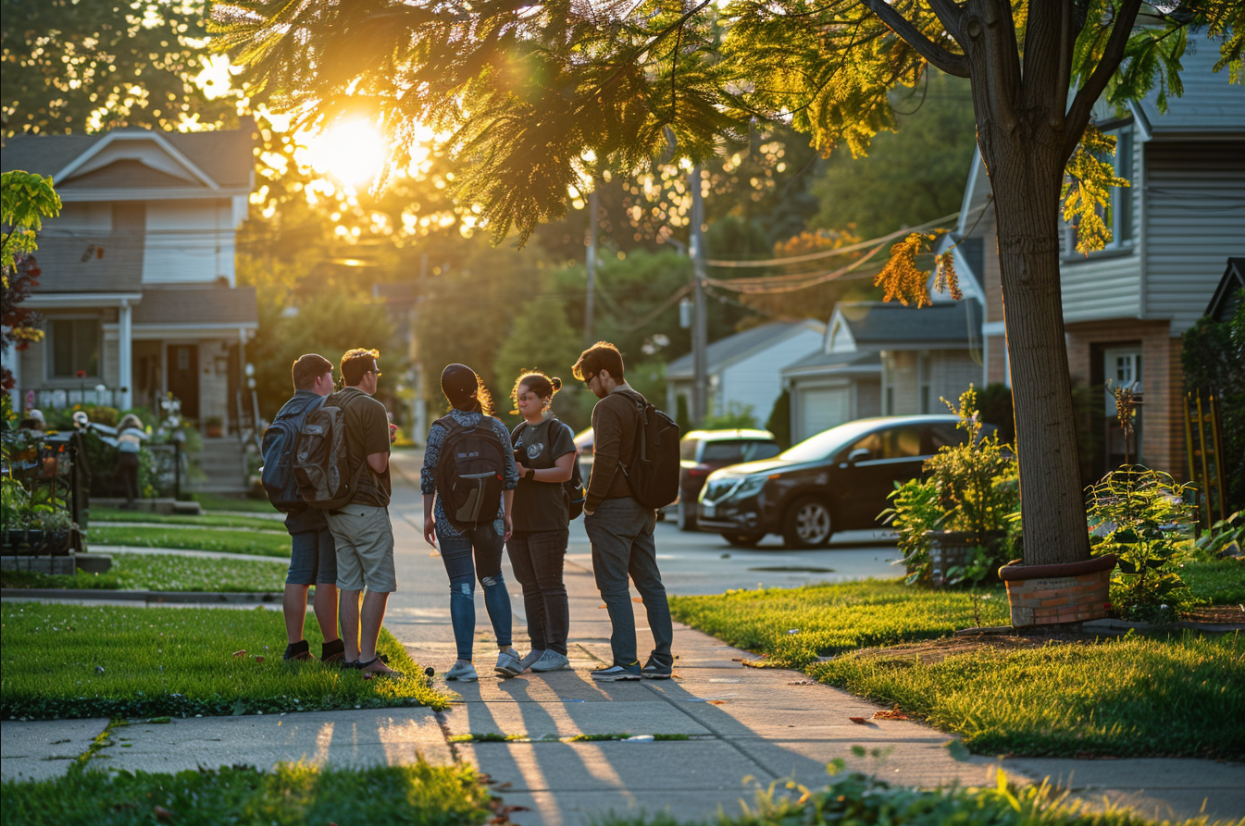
26 198
1087 189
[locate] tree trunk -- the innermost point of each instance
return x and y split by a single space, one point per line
1026 181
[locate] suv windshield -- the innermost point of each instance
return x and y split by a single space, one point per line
737 451
827 442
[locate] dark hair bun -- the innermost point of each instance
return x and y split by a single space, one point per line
556 383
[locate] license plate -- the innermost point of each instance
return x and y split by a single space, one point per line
708 511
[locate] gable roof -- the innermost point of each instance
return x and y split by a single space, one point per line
1230 292
1209 104
842 363
219 305
224 157
726 351
878 325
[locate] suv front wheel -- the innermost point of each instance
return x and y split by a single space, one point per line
808 523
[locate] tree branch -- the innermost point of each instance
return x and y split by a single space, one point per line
950 15
1087 96
939 57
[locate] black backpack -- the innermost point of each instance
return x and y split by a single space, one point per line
278 448
470 472
321 464
573 488
653 474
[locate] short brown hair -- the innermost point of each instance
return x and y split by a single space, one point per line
598 357
538 383
306 369
356 363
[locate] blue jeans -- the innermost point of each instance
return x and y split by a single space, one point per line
621 531
457 554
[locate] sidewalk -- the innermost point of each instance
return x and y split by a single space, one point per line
763 724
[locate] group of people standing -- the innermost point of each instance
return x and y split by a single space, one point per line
349 549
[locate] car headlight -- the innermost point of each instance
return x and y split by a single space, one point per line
750 486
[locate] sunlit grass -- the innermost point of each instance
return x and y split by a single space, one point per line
1215 583
213 520
289 795
256 543
164 572
88 661
240 504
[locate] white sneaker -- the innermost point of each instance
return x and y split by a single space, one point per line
462 672
532 657
508 664
552 661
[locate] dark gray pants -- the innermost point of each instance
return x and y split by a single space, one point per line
621 531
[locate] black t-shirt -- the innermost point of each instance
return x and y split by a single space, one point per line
367 432
541 506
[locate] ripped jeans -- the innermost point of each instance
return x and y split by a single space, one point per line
463 566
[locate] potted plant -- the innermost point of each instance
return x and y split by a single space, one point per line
214 426
30 527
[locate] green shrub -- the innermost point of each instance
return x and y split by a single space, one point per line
1226 538
1141 515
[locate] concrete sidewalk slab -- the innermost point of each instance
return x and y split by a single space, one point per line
538 720
590 808
365 737
923 763
44 749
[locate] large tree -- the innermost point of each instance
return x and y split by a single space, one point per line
538 96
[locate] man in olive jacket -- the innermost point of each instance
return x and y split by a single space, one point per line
620 528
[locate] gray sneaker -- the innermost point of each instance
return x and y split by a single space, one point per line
552 661
508 664
532 658
656 671
463 673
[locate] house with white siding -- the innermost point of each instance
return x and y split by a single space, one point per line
885 359
137 290
744 368
1126 306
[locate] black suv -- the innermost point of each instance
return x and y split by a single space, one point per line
837 480
703 451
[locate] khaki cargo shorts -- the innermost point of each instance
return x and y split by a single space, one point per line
363 536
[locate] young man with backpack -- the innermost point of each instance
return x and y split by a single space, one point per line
361 528
313 558
620 511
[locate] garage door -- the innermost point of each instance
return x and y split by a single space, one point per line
823 408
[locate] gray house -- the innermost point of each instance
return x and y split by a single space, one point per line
1126 306
885 359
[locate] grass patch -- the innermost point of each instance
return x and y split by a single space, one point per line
1135 696
1122 697
207 520
1215 583
257 543
238 504
164 572
794 626
289 795
68 661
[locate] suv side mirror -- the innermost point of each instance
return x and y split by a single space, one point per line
860 454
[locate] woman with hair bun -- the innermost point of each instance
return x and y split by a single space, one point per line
545 457
471 549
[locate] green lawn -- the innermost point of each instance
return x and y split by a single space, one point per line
61 661
164 572
256 543
1216 583
240 504
290 795
1133 696
213 520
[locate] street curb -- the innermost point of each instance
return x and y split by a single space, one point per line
169 597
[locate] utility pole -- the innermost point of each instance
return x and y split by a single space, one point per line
700 329
591 264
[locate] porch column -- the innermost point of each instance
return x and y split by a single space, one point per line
125 355
13 359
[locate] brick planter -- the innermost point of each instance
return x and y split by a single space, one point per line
948 549
1055 594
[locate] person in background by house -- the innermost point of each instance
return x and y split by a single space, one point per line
544 456
361 530
33 421
130 438
313 556
472 410
619 527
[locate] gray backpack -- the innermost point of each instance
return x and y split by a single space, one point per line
321 465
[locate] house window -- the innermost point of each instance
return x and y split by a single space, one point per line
75 348
1118 213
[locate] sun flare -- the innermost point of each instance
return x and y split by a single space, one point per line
352 152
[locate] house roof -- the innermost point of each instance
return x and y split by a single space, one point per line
90 263
213 304
1230 292
726 351
879 325
823 362
225 155
1208 103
